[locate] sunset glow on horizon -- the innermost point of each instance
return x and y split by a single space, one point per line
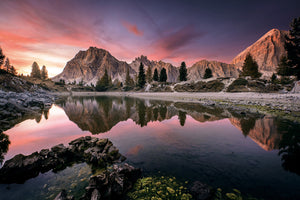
52 32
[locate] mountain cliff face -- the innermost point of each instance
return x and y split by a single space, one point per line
172 72
219 69
90 65
267 51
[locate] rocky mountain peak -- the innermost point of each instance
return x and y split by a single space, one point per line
88 66
266 51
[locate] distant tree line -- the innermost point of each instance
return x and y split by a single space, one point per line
7 67
36 72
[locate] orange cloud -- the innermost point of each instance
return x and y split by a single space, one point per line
132 28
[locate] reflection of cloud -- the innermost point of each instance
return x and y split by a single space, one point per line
132 28
135 150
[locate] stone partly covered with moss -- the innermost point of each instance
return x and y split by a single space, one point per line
112 183
159 188
97 152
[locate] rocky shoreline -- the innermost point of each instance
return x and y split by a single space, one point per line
15 106
97 152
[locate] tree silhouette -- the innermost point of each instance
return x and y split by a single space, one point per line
208 73
250 67
7 65
44 73
149 75
2 56
292 46
35 71
155 75
163 75
141 77
103 83
182 72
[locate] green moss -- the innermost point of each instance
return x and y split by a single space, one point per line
159 188
234 195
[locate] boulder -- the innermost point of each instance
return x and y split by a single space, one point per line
201 191
113 183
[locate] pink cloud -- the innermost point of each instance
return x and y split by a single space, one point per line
132 28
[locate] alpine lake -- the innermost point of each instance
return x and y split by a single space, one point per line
257 154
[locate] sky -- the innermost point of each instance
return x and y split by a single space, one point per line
51 32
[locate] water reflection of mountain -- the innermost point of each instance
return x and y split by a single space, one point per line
264 132
100 114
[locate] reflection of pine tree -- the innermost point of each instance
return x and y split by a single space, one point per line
4 143
163 112
149 114
247 124
289 146
155 113
128 103
182 117
142 112
106 104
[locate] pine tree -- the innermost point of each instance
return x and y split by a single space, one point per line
283 67
7 65
12 70
163 75
208 73
149 75
103 83
141 77
155 75
273 78
35 71
292 46
2 56
250 67
182 72
128 80
44 73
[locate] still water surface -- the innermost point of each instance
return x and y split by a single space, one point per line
219 147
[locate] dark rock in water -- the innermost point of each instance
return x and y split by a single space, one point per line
63 196
201 191
97 152
112 183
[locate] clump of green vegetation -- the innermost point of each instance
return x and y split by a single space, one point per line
159 188
234 195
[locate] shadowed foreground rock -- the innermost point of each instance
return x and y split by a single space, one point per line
113 183
201 191
94 151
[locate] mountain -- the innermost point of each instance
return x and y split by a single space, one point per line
267 51
172 72
90 65
218 69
